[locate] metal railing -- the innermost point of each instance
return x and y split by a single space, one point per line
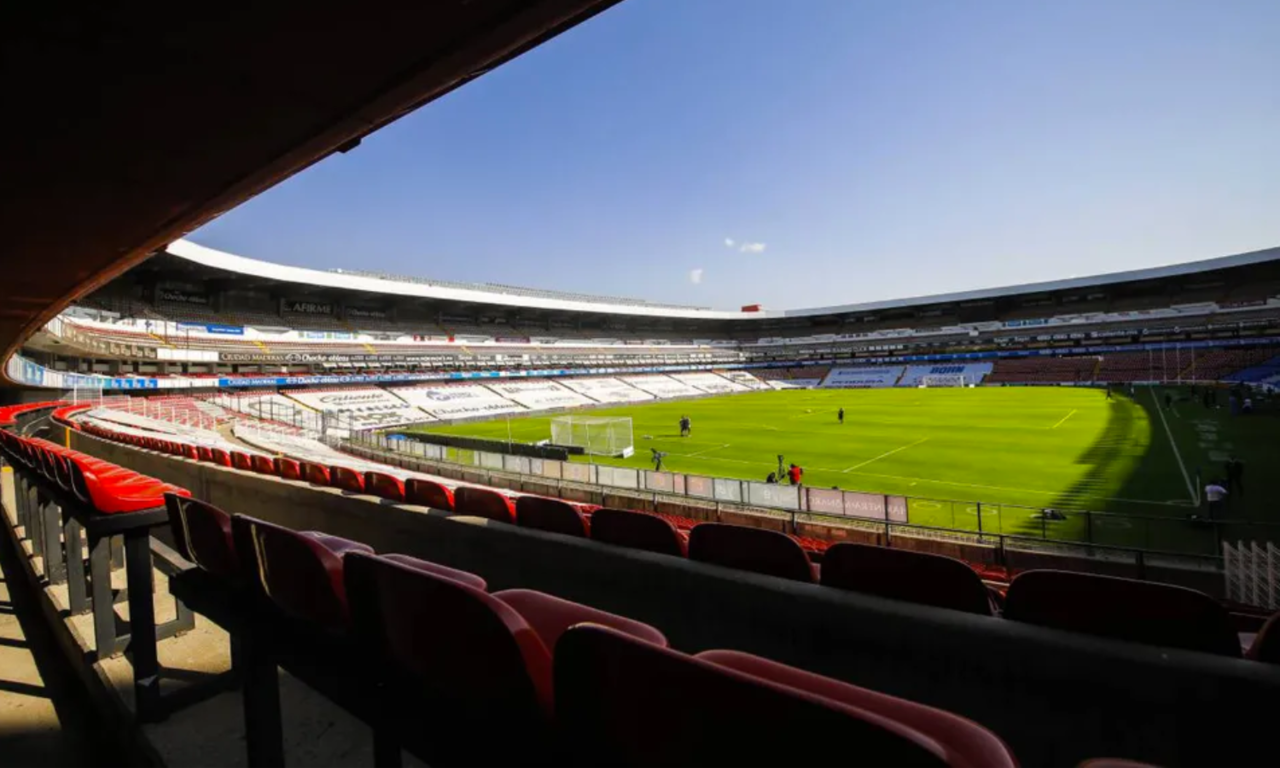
969 520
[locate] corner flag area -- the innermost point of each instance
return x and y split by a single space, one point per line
1010 452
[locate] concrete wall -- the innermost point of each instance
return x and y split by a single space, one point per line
1056 698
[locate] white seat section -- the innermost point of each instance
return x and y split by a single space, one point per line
973 373
537 394
272 407
743 379
607 390
862 378
709 383
362 408
457 401
662 386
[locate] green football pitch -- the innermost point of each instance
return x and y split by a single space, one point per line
958 454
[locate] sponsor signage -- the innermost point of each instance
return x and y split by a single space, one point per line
357 313
302 358
175 296
214 328
308 307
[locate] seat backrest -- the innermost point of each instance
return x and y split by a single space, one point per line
1124 609
263 465
459 644
346 478
636 530
220 457
301 572
750 549
1266 645
628 702
965 743
551 515
900 574
206 535
428 493
287 468
483 502
317 474
241 460
384 486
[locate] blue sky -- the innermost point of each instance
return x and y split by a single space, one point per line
850 150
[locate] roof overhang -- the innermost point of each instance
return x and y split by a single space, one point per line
127 126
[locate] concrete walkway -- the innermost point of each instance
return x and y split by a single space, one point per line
45 716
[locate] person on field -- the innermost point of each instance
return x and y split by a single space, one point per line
1108 391
658 456
1215 496
772 479
686 426
1235 476
840 415
795 474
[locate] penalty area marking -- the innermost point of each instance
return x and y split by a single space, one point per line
885 454
1064 419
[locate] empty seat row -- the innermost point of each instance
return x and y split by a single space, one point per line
9 413
563 679
1124 609
105 487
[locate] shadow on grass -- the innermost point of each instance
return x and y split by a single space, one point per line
1093 508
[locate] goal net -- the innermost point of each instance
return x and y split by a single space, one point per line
598 435
943 380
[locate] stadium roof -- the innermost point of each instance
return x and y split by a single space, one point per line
477 295
129 125
1072 284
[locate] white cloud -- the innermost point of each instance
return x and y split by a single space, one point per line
695 276
752 248
728 242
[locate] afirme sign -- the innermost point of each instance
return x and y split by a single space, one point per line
303 358
308 307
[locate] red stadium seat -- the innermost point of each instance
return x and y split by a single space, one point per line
459 656
1124 609
203 533
428 493
482 502
346 478
287 468
241 460
551 515
263 465
750 549
637 530
220 457
914 577
964 742
302 572
629 702
384 486
316 474
1266 645
117 490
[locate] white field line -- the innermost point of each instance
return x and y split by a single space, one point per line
1191 491
1064 419
705 450
885 454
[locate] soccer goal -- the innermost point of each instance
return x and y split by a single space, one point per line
598 435
944 380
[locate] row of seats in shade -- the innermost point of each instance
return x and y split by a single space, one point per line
565 681
105 487
1135 611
